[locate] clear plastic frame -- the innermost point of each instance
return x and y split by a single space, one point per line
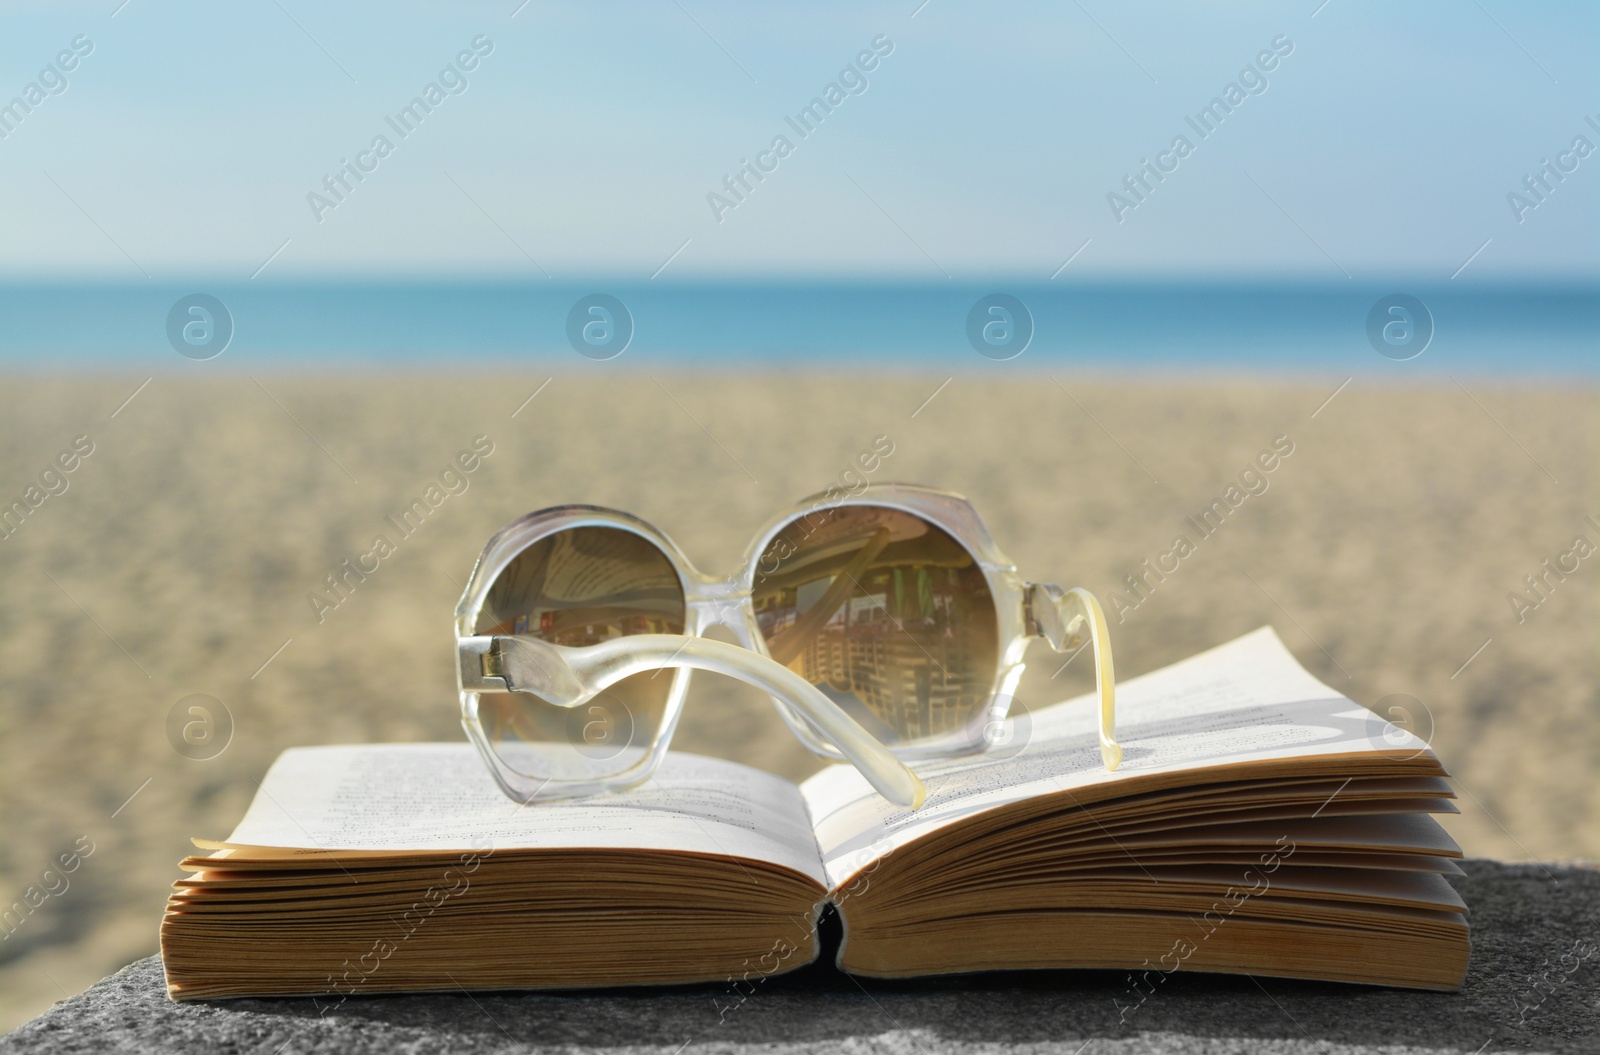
907 624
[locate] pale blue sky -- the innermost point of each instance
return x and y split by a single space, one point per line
986 143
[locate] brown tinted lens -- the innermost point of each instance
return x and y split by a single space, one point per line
579 587
886 614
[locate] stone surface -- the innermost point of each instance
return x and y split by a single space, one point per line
1536 945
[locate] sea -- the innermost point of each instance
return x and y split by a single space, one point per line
1539 331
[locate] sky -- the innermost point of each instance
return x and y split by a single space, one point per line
986 140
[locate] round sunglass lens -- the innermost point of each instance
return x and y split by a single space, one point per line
886 614
579 587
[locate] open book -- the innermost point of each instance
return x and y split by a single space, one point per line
1260 822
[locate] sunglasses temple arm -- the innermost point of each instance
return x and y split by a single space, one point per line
567 676
1062 617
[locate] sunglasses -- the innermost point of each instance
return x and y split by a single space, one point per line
885 625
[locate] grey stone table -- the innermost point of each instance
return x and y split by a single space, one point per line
1534 985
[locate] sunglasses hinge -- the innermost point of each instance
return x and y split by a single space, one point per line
1042 616
481 664
494 663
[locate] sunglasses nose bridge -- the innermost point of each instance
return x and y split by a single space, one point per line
724 603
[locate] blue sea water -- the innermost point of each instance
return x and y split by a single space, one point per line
1534 331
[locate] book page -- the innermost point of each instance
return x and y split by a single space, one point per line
441 797
1244 701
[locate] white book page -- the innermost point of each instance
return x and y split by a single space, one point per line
1244 701
441 797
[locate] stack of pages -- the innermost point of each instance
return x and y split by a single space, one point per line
1260 822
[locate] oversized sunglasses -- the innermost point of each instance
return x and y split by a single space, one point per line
884 624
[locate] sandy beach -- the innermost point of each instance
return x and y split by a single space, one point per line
181 554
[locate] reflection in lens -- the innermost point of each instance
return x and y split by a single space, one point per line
886 614
580 587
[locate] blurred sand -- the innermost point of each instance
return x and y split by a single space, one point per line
1382 552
